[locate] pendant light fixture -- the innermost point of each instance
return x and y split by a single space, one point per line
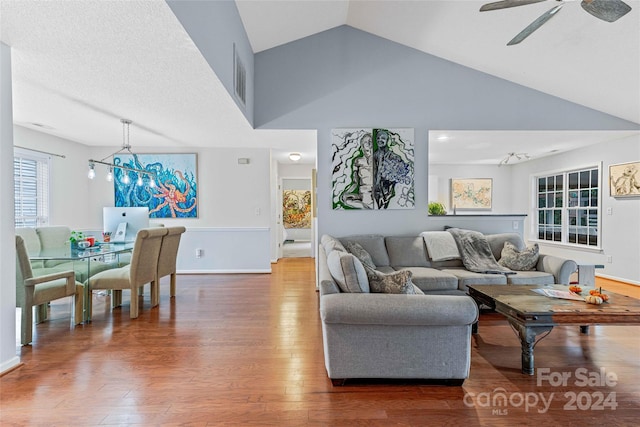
126 149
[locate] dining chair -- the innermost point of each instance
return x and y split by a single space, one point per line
38 291
143 269
167 260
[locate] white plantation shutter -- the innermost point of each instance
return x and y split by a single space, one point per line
31 172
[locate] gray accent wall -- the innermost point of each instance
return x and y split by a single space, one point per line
345 77
215 27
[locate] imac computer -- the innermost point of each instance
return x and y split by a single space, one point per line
123 223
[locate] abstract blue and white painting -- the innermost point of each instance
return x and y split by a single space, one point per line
372 168
170 191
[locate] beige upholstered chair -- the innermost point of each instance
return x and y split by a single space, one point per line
167 260
143 269
38 291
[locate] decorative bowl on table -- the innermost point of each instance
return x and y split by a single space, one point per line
83 244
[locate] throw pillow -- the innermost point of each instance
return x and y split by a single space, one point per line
331 243
398 282
348 272
519 260
359 252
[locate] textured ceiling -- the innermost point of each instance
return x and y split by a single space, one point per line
80 66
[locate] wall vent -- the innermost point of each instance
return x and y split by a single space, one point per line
239 77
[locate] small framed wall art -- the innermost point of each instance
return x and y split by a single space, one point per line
624 179
471 193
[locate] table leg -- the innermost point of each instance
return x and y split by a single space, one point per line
528 341
88 294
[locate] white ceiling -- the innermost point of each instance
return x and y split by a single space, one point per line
80 66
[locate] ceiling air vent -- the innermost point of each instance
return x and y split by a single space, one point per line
239 77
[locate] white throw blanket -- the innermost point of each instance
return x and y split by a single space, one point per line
441 245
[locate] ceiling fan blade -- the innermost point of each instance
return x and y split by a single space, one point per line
607 10
506 3
535 25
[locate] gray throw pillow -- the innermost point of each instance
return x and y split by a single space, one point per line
348 272
360 253
398 282
514 259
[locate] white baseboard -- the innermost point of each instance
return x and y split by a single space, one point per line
618 279
9 364
235 271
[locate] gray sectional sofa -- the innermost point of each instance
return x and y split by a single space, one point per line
379 335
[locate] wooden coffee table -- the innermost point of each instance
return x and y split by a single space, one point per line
532 314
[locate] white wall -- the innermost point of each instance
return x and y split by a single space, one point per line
8 358
231 196
620 231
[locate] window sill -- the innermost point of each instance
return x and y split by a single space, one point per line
581 248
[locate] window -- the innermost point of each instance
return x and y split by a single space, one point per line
568 208
31 178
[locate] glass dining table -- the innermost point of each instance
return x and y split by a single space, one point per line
106 253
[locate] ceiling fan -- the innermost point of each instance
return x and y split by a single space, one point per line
607 10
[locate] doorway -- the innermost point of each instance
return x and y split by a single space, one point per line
296 218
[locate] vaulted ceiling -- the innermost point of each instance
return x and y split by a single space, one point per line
80 66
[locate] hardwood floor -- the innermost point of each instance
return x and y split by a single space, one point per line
247 350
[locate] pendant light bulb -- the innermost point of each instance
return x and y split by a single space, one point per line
110 174
152 182
139 181
92 171
125 179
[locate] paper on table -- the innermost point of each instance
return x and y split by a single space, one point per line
553 293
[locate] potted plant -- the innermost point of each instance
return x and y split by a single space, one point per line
76 236
437 208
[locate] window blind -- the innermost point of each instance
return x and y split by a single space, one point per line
31 173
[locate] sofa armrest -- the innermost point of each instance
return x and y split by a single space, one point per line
561 268
388 309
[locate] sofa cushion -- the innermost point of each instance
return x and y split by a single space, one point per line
430 279
348 272
440 245
359 252
531 278
372 243
398 282
519 260
406 251
466 277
